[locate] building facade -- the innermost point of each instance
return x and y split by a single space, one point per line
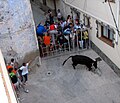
103 19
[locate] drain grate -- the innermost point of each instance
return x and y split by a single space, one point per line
49 73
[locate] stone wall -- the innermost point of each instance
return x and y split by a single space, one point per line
17 29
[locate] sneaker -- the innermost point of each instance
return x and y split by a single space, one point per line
26 91
18 98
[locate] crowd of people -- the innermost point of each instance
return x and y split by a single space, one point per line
18 76
60 34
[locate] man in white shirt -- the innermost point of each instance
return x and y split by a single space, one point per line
24 69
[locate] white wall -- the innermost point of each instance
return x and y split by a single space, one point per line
6 91
119 21
110 52
96 8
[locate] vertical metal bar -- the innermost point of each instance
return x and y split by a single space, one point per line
77 41
53 39
89 44
85 44
81 43
73 41
69 41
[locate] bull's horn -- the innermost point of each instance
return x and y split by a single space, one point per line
98 59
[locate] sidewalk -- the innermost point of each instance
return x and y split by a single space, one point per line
54 83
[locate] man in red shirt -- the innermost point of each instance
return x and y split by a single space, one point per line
53 31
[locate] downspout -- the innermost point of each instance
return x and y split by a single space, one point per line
117 21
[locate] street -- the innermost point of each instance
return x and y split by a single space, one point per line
54 83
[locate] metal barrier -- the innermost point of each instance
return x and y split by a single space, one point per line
74 42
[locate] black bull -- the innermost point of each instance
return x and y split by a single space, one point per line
84 60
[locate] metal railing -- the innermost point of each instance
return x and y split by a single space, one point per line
74 43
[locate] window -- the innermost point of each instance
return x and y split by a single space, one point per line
110 1
105 33
76 13
86 20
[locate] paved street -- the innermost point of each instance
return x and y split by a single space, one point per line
54 83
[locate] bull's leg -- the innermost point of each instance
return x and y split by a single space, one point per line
89 67
74 65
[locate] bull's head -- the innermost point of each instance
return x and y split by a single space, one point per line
95 64
98 59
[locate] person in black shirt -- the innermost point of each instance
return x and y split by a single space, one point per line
12 76
62 41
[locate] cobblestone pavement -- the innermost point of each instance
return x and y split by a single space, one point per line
54 83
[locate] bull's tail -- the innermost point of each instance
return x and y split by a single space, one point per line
66 60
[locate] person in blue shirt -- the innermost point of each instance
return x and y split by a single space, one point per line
40 30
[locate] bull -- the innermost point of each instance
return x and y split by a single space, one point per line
84 60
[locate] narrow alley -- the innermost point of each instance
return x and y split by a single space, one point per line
54 83
38 36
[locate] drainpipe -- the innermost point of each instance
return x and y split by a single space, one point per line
55 7
117 21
